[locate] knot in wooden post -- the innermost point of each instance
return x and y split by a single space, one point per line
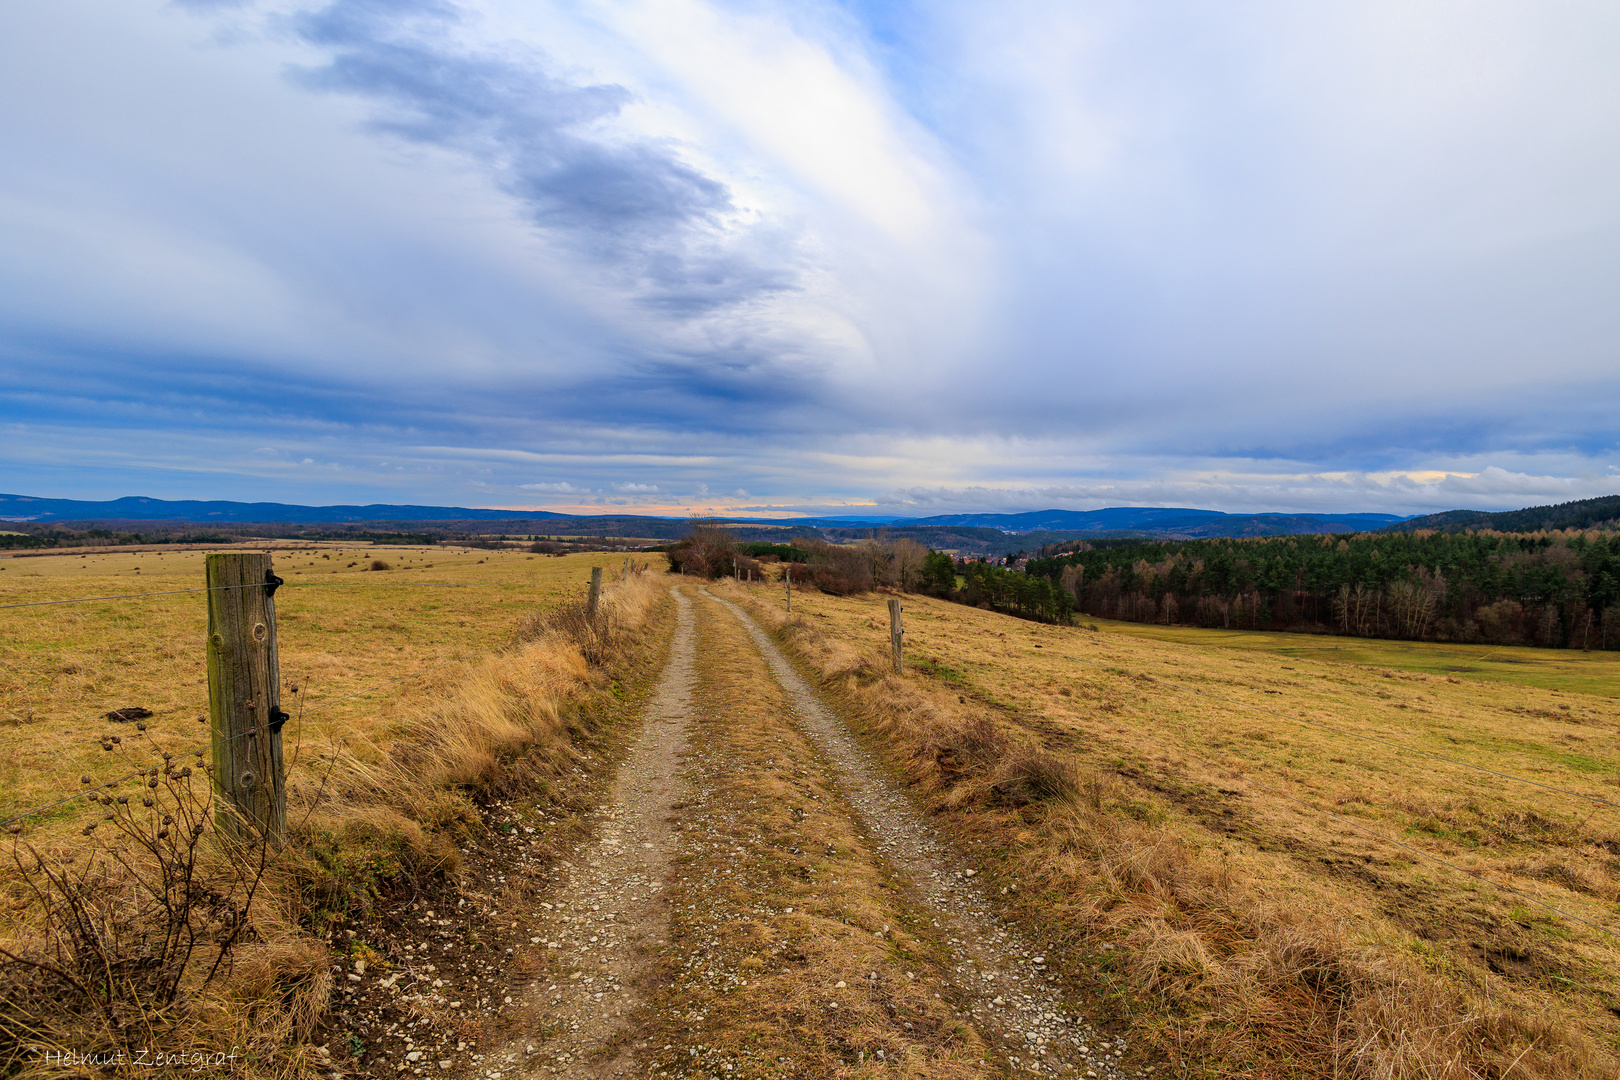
244 692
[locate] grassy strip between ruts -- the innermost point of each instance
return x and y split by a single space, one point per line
793 953
1151 834
394 804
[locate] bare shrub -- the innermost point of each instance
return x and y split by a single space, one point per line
126 937
378 564
840 571
707 551
907 558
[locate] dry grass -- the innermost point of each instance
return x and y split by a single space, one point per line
379 788
1240 931
792 954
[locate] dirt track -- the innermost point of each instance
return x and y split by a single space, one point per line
758 899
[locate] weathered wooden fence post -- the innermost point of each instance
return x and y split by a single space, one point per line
596 595
624 575
244 695
894 637
788 577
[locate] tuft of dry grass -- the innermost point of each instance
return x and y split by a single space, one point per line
1238 932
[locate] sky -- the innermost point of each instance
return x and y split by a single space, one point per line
683 256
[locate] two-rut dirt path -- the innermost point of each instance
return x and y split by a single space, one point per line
758 899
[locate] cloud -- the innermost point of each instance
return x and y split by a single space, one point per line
631 202
919 255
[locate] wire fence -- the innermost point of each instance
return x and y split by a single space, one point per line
259 585
110 741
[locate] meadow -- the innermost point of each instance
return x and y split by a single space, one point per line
423 683
1281 855
342 628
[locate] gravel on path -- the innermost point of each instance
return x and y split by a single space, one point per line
603 927
1002 974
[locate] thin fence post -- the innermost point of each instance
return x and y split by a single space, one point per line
244 694
596 595
788 577
894 637
625 575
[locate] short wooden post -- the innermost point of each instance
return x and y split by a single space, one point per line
894 637
788 577
596 595
244 695
625 574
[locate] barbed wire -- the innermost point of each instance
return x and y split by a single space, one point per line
256 585
288 585
197 751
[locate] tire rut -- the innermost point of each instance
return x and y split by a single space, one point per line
600 932
1002 976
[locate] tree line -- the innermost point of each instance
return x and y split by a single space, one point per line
1558 589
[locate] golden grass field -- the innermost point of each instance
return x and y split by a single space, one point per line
508 688
341 629
1226 873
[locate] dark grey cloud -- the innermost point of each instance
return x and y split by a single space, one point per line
634 204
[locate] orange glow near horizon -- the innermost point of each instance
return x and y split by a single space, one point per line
678 511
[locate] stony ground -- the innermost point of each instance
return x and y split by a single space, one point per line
753 898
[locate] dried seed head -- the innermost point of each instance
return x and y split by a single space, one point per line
186 771
197 829
108 816
84 779
167 755
106 746
201 719
168 819
140 725
152 782
123 800
88 829
147 801
118 740
14 830
163 834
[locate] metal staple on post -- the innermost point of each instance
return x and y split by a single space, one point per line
894 637
244 695
596 595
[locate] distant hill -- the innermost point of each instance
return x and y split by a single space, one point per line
966 533
1160 521
1582 514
